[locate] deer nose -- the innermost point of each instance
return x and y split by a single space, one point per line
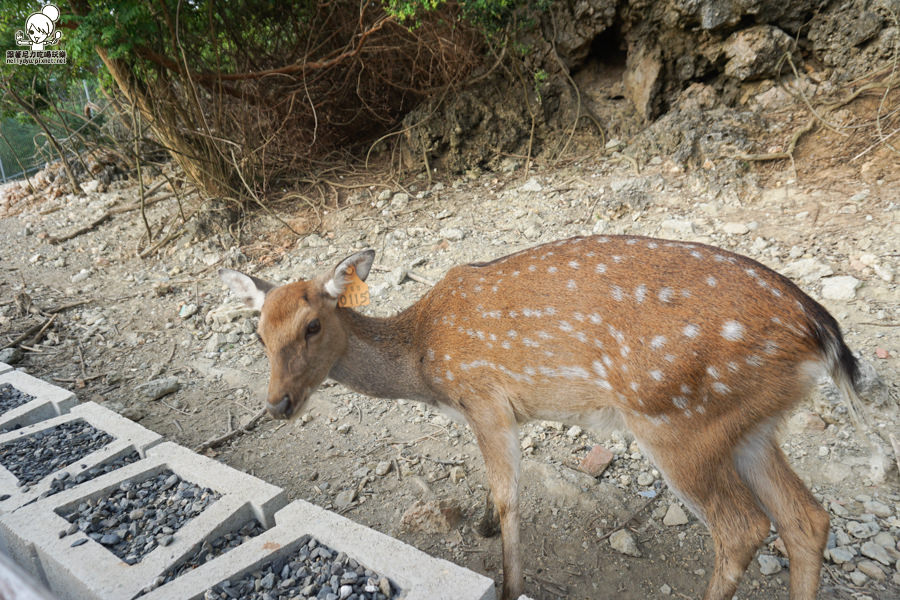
280 410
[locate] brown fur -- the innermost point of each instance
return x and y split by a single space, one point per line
701 351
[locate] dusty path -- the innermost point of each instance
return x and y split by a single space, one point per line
372 459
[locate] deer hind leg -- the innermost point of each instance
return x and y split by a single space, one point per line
497 434
712 488
798 517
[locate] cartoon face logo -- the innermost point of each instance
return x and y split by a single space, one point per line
40 29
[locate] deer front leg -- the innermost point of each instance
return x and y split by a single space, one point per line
497 435
488 524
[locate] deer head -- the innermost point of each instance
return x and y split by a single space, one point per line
300 328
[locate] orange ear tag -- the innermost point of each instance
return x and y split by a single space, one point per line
356 293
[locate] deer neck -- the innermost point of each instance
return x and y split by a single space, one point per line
380 359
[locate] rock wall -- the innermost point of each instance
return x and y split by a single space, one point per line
682 63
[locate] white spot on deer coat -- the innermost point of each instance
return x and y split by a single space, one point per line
665 294
617 293
640 292
713 372
711 281
656 374
571 285
599 369
720 388
658 342
732 331
600 268
690 330
573 264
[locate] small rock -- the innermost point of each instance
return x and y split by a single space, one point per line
11 356
80 275
862 531
841 554
383 468
215 341
434 516
397 276
858 578
267 582
884 272
574 431
842 287
623 542
675 515
645 479
879 509
531 185
805 420
665 589
343 428
871 569
452 234
683 226
879 352
806 269
596 461
735 228
156 389
876 552
768 564
110 539
344 498
187 311
400 201
384 586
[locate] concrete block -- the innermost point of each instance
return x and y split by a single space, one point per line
128 437
49 400
90 571
418 575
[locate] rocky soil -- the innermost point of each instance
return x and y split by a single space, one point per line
160 341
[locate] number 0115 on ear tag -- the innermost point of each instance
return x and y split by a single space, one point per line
356 293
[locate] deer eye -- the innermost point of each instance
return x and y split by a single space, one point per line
313 327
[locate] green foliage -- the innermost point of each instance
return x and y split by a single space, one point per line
489 16
18 145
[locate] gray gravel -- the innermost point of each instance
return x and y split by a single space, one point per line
313 571
11 398
33 457
64 481
138 516
207 551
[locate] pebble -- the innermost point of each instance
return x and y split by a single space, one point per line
842 287
879 509
871 569
675 515
841 554
344 499
768 564
383 468
876 552
735 228
858 578
574 431
645 479
622 541
452 234
157 388
531 185
806 269
187 311
596 461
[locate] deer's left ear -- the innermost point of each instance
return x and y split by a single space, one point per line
337 281
248 288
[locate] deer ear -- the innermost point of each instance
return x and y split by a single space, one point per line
248 288
336 283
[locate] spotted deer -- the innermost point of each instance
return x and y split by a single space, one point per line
699 352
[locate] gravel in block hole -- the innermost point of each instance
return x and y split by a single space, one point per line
313 571
63 480
207 551
138 516
33 457
11 397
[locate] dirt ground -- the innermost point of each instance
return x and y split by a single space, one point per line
146 319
